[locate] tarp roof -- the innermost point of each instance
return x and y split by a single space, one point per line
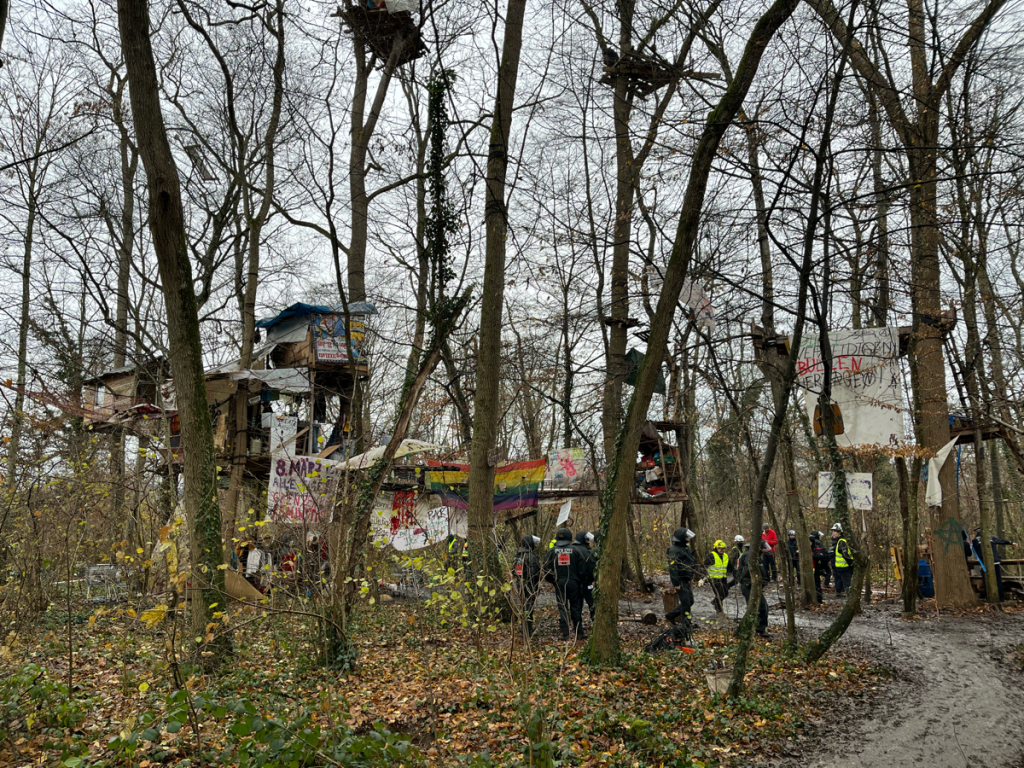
303 310
292 381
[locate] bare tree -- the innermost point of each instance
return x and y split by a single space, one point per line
167 225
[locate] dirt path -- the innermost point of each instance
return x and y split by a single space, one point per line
956 702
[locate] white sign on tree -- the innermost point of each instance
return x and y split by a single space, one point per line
866 396
859 490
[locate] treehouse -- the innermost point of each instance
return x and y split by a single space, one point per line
124 396
660 476
646 73
381 25
296 395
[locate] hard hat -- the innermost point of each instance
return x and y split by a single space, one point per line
719 543
837 527
738 539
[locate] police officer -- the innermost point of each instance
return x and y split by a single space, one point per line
526 575
564 569
842 562
820 557
717 563
682 566
743 577
734 553
582 545
794 555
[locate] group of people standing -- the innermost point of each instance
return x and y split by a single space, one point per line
569 567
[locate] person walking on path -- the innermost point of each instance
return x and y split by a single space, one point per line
772 539
682 566
743 576
582 545
842 562
565 569
526 573
717 564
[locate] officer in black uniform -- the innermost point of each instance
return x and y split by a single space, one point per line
682 566
565 569
821 567
582 545
526 572
743 577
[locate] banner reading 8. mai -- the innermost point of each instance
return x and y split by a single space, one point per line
866 395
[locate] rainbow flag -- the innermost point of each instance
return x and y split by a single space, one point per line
521 482
449 484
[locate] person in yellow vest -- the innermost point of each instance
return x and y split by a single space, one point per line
717 564
842 561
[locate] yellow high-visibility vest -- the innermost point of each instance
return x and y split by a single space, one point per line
718 570
840 560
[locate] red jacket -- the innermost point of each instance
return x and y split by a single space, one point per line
771 537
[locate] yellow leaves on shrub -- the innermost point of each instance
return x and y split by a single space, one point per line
154 616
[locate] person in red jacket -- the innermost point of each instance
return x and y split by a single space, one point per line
771 538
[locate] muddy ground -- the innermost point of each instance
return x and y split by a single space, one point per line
956 698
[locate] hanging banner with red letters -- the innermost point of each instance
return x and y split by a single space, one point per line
867 401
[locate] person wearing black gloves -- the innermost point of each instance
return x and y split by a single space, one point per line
582 545
564 569
682 566
995 543
526 576
820 556
743 576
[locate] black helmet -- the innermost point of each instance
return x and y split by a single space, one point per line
679 535
563 534
815 534
581 537
529 542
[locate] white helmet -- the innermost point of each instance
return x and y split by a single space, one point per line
738 539
837 527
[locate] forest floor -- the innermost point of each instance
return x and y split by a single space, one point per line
428 691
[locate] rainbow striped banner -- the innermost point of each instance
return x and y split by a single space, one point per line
450 484
521 481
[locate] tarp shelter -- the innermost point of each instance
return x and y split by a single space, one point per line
290 325
366 460
634 359
291 381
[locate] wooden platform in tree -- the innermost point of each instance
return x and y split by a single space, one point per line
381 29
647 74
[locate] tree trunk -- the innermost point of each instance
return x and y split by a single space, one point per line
604 645
908 514
487 410
918 133
18 417
167 226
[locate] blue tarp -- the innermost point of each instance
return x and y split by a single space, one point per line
302 310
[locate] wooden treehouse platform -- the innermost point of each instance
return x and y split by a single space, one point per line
646 73
381 29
